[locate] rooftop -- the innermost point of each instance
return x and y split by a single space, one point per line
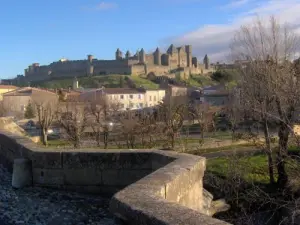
2 86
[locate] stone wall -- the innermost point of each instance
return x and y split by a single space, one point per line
138 70
158 187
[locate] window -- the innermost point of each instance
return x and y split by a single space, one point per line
122 105
141 105
140 96
150 98
130 105
155 98
131 96
121 96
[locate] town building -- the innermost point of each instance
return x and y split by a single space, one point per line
126 98
16 101
6 88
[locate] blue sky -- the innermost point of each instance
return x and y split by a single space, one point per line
45 31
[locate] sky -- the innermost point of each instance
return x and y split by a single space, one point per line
46 31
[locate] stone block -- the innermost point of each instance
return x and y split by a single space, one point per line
183 181
48 177
105 191
103 160
83 176
22 173
159 160
47 160
123 177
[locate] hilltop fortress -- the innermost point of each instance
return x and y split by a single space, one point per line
176 59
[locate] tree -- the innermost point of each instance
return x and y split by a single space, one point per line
172 117
103 113
29 111
270 83
204 116
121 82
73 118
46 112
222 76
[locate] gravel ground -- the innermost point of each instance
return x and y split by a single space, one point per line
44 206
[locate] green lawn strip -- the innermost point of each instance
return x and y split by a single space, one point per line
236 147
255 167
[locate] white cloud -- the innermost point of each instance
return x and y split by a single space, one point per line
102 6
237 3
214 39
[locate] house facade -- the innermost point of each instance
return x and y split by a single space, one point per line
16 101
127 98
5 89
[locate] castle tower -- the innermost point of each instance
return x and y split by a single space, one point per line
90 58
128 54
206 62
179 51
119 54
171 50
189 57
142 57
90 69
75 83
157 57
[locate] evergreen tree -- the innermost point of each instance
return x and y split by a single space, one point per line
29 111
121 82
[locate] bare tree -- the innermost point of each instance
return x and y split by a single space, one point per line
103 113
73 118
172 118
46 112
204 116
270 85
233 113
129 128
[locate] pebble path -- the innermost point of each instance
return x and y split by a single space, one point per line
40 206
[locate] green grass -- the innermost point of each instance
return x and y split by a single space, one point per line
109 81
237 147
255 167
203 80
57 143
144 82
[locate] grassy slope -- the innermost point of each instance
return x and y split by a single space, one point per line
109 81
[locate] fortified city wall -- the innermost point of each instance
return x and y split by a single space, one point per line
139 64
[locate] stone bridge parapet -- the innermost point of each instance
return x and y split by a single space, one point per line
148 186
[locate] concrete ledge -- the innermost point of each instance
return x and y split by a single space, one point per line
149 186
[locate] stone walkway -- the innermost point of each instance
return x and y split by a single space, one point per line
32 206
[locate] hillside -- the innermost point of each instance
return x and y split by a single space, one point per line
109 81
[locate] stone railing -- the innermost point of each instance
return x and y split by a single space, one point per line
149 186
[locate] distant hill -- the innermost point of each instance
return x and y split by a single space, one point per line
115 81
108 81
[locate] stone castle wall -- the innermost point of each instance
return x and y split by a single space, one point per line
163 186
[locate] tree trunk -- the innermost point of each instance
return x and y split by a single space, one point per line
283 135
44 137
105 139
173 140
77 142
98 138
269 151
